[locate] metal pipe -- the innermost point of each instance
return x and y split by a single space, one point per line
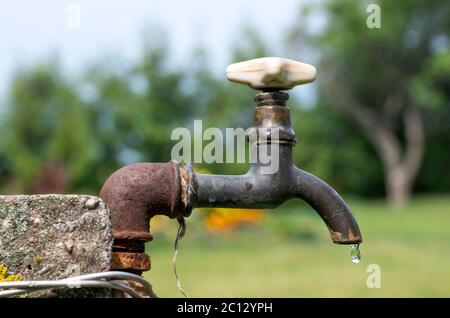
256 190
134 194
251 190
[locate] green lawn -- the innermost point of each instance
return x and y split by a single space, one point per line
291 255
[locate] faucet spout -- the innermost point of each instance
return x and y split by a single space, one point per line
328 204
256 189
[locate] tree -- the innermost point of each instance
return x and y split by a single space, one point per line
46 143
373 76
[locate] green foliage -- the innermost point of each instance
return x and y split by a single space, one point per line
328 147
45 122
112 116
403 64
431 87
119 112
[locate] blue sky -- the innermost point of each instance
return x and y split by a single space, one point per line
33 30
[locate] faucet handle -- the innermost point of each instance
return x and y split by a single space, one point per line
271 73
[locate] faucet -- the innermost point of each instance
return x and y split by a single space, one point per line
137 192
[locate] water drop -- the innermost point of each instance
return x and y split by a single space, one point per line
355 254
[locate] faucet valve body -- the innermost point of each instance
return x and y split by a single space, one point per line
272 113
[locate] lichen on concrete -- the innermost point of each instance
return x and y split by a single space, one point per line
54 237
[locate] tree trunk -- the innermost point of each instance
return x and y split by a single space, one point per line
401 169
401 164
398 186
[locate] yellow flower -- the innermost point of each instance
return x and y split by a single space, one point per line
13 278
4 276
3 271
226 220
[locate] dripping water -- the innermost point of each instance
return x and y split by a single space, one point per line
355 254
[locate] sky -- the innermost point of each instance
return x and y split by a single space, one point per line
81 31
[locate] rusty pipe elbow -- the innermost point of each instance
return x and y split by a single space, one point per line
139 191
329 205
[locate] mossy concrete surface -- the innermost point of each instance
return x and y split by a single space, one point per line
54 237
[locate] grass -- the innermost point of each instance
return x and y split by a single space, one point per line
291 255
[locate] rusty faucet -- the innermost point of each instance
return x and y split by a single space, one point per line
137 192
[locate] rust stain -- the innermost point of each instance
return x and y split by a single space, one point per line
126 261
136 193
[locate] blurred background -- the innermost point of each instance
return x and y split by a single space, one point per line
86 88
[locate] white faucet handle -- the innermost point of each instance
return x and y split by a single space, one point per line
271 72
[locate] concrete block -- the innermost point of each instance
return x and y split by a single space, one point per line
55 236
